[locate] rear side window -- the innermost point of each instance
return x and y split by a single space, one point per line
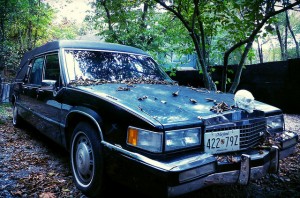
37 71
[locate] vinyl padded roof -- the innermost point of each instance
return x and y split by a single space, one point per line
77 44
81 44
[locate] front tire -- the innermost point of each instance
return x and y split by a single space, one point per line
87 160
17 120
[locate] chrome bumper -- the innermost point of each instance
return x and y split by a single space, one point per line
178 176
242 176
225 178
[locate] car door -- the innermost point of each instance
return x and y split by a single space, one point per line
44 80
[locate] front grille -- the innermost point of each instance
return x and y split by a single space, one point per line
250 134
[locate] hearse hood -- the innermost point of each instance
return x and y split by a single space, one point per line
174 105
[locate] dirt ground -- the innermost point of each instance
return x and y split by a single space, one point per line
31 166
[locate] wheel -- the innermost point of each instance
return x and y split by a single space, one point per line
17 120
87 160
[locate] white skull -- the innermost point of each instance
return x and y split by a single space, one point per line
244 99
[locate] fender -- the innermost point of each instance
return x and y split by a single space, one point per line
89 113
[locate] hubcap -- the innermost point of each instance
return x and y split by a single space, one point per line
83 159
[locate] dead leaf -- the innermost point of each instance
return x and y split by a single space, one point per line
210 100
47 195
143 98
193 101
123 89
175 93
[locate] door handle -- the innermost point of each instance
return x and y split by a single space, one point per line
39 90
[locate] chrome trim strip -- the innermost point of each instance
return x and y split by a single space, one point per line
44 53
103 50
137 156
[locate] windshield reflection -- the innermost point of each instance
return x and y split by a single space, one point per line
83 65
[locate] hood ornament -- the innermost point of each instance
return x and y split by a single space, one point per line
244 99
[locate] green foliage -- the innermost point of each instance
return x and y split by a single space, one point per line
63 30
24 25
140 24
5 112
163 33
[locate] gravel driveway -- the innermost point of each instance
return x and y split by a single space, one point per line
31 166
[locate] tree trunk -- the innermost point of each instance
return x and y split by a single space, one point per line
208 82
36 29
2 40
260 53
285 43
110 27
248 40
292 33
29 36
239 70
280 41
2 34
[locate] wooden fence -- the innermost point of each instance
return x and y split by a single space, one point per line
276 83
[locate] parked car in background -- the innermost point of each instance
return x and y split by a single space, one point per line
122 118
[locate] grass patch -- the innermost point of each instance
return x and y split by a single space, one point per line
5 112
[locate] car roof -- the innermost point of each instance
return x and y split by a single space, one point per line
84 44
75 44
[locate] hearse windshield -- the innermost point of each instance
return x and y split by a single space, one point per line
111 66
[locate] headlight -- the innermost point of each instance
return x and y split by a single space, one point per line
153 141
275 124
147 140
182 139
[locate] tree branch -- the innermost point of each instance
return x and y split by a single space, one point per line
249 39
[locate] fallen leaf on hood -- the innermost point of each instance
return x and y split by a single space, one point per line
220 107
193 101
210 100
175 93
123 89
143 98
